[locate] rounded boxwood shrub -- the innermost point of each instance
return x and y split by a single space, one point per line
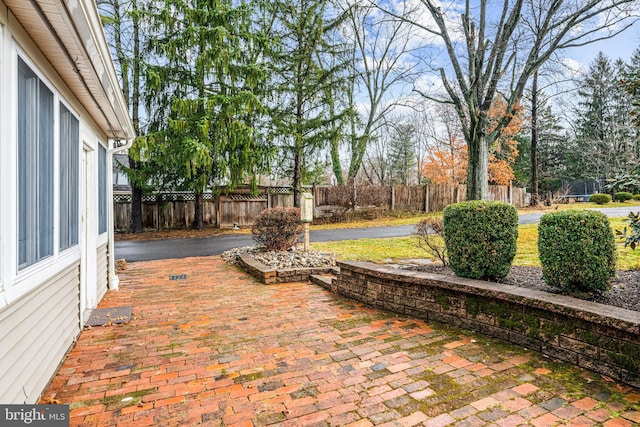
636 197
600 199
480 237
277 229
623 196
577 250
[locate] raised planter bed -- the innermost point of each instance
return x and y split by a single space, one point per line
269 276
594 336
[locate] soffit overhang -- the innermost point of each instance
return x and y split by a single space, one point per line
70 35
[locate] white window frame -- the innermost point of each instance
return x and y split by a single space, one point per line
103 193
23 280
49 209
76 146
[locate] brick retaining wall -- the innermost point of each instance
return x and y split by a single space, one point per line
270 276
594 336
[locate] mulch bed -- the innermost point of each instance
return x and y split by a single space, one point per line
624 293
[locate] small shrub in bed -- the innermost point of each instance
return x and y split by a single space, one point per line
577 250
480 237
600 199
430 235
623 196
277 229
636 197
631 235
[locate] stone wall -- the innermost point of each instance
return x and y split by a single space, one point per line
594 336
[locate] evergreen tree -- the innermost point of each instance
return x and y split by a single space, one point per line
402 156
603 128
306 73
204 96
553 150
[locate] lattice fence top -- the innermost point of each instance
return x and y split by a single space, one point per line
280 190
241 196
122 198
189 196
173 196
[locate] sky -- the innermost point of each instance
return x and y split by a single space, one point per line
621 46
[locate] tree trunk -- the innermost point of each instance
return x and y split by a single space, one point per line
297 176
335 161
135 222
198 219
478 167
535 198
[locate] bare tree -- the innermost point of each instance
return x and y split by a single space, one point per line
494 50
383 65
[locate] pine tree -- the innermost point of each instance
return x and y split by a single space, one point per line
306 70
603 128
402 157
204 96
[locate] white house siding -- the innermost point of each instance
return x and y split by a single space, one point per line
43 305
36 331
102 270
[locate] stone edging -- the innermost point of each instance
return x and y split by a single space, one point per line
270 276
593 336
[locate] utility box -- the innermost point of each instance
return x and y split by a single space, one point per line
306 207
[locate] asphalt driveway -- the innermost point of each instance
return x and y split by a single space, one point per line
134 251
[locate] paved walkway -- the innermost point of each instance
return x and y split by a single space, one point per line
220 349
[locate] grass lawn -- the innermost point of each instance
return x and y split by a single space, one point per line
398 248
405 218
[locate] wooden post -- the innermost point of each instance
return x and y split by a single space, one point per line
306 237
158 203
426 198
268 197
218 196
393 198
510 193
315 195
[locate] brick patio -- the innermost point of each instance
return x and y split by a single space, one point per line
220 349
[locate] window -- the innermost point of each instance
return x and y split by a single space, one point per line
35 167
69 164
102 189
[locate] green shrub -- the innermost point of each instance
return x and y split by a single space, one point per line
277 229
636 197
480 237
623 196
577 250
600 199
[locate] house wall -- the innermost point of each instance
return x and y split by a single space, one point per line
43 306
102 269
36 331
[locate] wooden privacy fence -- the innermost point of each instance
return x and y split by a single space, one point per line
169 210
424 198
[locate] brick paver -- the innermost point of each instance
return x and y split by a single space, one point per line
220 349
